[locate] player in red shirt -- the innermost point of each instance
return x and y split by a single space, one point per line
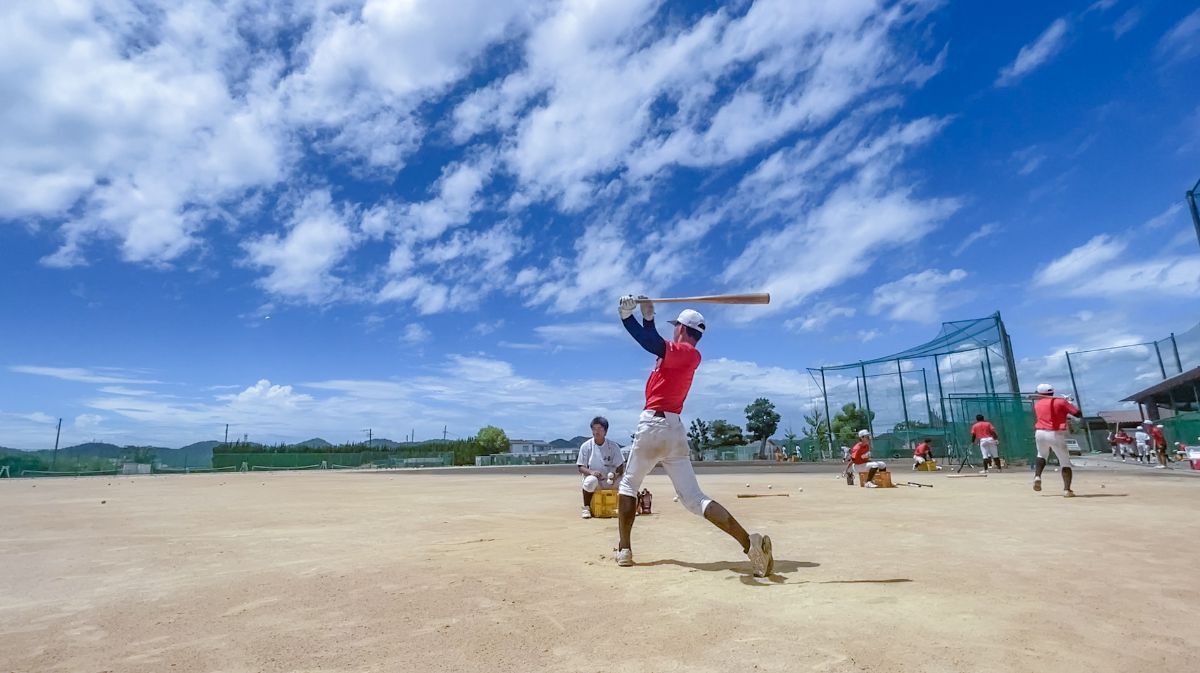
923 452
661 436
1050 433
860 459
1159 440
989 442
1122 440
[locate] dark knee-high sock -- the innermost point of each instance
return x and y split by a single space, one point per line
1039 466
1066 473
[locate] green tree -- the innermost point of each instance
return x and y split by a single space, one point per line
698 435
816 429
849 421
725 434
761 422
493 439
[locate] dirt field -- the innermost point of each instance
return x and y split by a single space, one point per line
476 572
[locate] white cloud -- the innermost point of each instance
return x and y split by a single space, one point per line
1101 5
821 315
1029 159
1182 42
1082 260
83 375
1101 268
1034 55
919 297
1127 22
88 422
976 236
302 260
141 131
1166 217
415 333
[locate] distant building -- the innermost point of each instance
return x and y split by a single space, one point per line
526 446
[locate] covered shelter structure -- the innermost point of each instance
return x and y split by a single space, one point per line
1174 403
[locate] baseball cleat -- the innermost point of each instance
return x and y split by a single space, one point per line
625 557
761 560
586 513
871 484
1068 494
1037 483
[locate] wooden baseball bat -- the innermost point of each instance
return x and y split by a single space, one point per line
764 495
754 298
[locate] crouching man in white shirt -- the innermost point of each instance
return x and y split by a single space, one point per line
600 462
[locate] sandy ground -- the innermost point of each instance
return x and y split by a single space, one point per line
496 572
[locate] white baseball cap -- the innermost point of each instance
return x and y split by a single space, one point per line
1045 389
691 319
864 433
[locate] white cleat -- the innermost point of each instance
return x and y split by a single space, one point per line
1068 494
1037 483
586 513
871 484
624 557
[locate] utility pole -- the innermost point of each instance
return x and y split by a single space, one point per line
444 427
370 436
1191 199
226 433
57 434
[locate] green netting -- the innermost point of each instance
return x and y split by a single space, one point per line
281 460
1182 428
1012 416
163 469
904 393
80 473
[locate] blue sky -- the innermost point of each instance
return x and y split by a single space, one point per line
309 219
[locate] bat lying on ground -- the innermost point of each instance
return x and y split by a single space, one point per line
761 298
764 495
913 483
963 476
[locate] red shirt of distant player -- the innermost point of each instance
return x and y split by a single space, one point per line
923 450
860 454
1052 413
669 383
983 429
1160 440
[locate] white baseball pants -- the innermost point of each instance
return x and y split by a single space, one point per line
590 484
1052 440
663 439
989 447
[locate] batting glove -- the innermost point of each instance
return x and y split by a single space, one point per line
647 307
626 306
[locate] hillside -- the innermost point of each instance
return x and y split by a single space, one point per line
314 443
198 454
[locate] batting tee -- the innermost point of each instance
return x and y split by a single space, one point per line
932 390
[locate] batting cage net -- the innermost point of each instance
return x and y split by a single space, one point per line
908 396
1101 378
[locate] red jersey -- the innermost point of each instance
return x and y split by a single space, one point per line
1122 438
860 454
923 450
669 383
1160 441
983 429
1052 413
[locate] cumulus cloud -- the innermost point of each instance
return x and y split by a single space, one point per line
1106 267
301 261
1036 54
919 297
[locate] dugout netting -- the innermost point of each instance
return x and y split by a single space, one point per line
70 473
907 396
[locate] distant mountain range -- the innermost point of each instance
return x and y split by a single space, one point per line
199 454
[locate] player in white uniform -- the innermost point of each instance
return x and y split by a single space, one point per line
1141 440
600 462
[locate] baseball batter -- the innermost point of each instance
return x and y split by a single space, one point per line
1050 433
660 435
989 442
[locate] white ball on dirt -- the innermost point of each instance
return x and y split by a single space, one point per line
747 485
675 499
769 487
801 489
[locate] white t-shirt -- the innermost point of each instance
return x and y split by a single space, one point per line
604 459
1141 438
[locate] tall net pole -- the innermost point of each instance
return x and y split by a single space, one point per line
867 399
828 418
